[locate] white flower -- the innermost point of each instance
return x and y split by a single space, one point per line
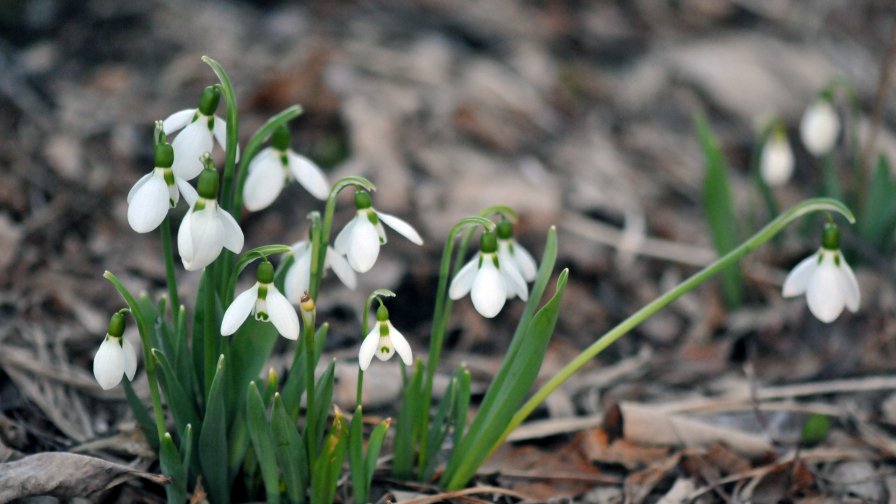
828 282
199 126
207 228
384 341
488 280
776 160
116 356
511 253
156 192
276 165
361 238
266 303
298 276
819 127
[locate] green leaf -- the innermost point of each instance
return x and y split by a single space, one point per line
172 466
374 446
131 302
290 451
213 440
356 457
179 402
406 428
438 429
323 398
463 404
249 348
260 433
815 430
719 209
879 214
328 465
147 425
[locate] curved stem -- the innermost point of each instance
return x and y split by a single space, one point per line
364 327
226 196
765 234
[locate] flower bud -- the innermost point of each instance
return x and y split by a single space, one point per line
820 127
116 325
308 309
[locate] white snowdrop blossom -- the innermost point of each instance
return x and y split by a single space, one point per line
265 302
826 279
156 192
298 276
820 127
488 280
116 356
384 341
776 160
199 126
207 228
274 166
511 253
361 238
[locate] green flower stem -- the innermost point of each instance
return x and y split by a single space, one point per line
830 182
440 323
226 195
765 234
310 413
209 335
170 276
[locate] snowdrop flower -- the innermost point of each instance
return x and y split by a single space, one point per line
826 279
156 192
199 126
276 165
489 279
207 228
511 253
384 341
361 238
116 356
266 303
820 126
776 159
298 276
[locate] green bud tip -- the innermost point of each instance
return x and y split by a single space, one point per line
363 199
265 272
207 187
382 314
208 102
164 155
488 243
830 237
116 325
505 229
281 138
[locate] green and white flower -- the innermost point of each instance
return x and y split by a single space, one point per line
298 276
489 279
510 252
199 126
207 228
820 127
360 240
776 159
116 356
384 341
274 166
265 302
156 192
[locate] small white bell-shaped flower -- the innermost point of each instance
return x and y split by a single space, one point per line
776 159
207 228
156 192
361 238
820 127
488 279
826 279
298 276
511 253
384 341
116 356
276 165
265 302
199 126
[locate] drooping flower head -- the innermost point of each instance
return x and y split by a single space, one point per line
489 279
265 302
776 159
298 276
207 228
199 126
826 279
156 192
511 253
384 341
820 126
276 165
361 238
116 356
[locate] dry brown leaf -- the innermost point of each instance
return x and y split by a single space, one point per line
597 447
638 485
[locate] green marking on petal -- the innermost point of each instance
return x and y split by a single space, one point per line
211 123
262 292
371 216
261 317
495 261
384 349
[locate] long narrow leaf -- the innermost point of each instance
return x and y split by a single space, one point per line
323 394
328 465
143 419
290 451
213 440
405 428
374 446
356 456
172 466
294 386
179 403
262 442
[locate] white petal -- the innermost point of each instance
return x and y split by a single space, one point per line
138 185
265 181
185 240
343 239
824 293
488 292
282 314
108 363
207 236
776 161
369 347
298 277
189 145
798 278
514 281
186 190
149 205
177 120
231 233
819 127
309 175
463 280
130 359
403 228
364 246
402 348
239 310
341 267
851 293
385 350
527 264
219 130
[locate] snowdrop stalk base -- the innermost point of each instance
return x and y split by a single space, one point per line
765 234
170 276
